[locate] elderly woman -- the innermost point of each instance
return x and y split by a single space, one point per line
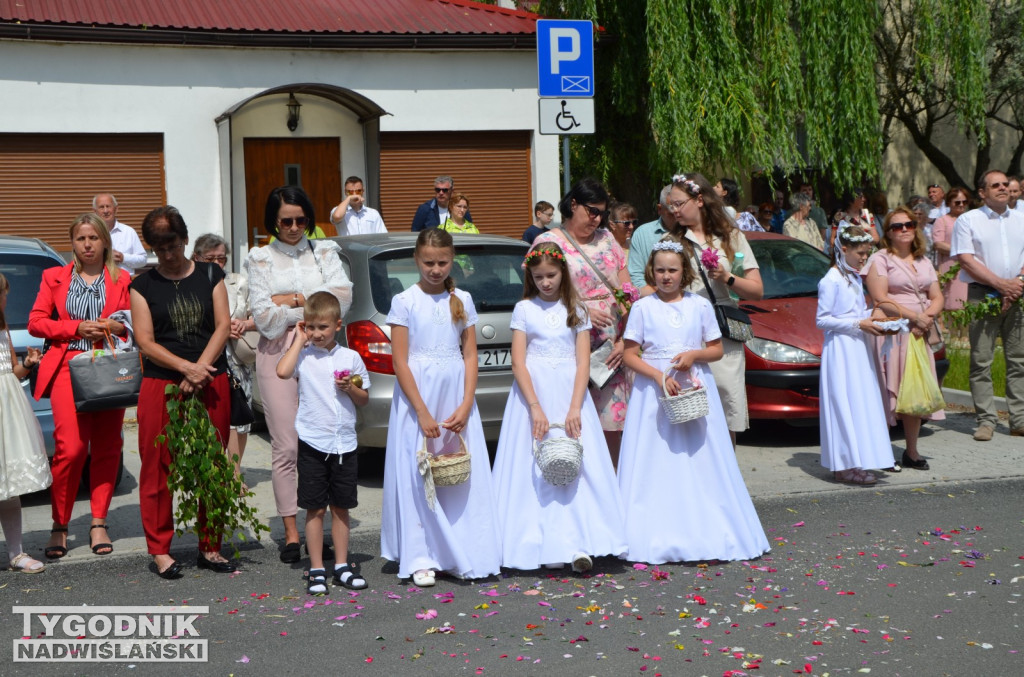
959 201
212 248
73 312
903 281
181 322
281 276
704 225
622 222
598 267
800 225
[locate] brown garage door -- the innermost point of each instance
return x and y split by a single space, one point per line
46 180
491 168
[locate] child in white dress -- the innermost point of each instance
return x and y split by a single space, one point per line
684 496
430 321
540 523
854 429
23 464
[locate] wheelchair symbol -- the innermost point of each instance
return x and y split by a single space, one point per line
567 118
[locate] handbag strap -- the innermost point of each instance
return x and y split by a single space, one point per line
586 258
707 284
913 280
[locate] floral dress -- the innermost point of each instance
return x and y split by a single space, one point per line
607 255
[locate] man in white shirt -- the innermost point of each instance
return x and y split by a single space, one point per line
129 253
937 199
352 216
1015 202
989 244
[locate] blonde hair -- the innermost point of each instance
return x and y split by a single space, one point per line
442 239
91 219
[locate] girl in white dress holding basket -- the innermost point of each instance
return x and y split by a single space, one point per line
854 430
444 528
547 513
684 496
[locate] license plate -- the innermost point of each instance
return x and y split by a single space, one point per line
493 358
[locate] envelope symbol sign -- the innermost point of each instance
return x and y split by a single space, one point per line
576 84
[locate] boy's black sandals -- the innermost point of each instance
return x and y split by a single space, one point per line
346 577
316 582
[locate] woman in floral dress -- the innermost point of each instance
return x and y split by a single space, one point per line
583 210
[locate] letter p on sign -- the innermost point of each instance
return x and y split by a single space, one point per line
565 58
559 36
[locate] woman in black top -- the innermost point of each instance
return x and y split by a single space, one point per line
181 322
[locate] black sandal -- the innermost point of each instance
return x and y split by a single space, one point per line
317 578
346 577
290 553
56 551
100 548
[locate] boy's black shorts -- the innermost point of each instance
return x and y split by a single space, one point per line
326 479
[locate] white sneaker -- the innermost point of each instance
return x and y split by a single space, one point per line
581 562
424 578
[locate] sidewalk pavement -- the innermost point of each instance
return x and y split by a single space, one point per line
777 460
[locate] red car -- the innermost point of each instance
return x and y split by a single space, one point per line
784 357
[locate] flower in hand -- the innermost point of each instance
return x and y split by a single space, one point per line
354 379
709 258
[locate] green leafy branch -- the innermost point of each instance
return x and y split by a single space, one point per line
200 470
949 275
989 306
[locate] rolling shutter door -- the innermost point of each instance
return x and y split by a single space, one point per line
46 180
491 168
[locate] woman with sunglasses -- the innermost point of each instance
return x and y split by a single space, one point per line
597 264
901 278
959 201
622 222
281 276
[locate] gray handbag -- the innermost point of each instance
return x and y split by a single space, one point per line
106 379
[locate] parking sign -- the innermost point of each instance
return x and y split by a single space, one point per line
565 58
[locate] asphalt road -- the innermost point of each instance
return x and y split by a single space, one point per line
891 581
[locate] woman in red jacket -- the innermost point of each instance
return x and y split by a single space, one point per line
73 312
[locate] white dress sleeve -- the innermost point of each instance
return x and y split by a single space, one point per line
467 300
399 313
585 325
710 331
828 298
271 319
336 282
635 324
519 316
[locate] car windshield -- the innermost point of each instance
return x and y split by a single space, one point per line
492 274
789 268
23 273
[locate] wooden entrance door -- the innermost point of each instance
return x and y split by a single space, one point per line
313 164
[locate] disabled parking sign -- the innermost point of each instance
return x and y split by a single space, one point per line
565 58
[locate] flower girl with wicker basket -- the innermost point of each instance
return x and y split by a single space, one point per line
557 496
684 496
444 526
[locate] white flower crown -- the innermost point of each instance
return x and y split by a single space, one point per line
689 183
667 246
844 235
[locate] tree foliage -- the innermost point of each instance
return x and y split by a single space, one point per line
741 85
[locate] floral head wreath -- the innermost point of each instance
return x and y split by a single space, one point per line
689 183
667 246
535 253
844 237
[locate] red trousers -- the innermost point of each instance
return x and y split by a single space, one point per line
155 501
77 436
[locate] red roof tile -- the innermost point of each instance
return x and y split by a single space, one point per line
353 17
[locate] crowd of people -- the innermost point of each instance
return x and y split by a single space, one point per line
615 318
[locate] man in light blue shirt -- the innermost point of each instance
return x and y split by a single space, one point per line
645 236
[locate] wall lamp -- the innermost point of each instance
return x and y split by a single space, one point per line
293 112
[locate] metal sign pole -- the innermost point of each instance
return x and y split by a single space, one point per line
566 175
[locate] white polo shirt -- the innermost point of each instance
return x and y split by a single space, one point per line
327 416
996 240
366 220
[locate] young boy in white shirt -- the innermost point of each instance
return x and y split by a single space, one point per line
333 381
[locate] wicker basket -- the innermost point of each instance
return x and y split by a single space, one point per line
559 458
688 404
898 310
450 469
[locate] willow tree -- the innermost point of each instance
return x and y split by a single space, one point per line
743 85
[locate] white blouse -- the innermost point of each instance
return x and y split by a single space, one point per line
279 268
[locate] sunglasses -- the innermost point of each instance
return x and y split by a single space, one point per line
1003 184
215 259
959 202
595 212
354 192
630 223
442 190
906 225
297 221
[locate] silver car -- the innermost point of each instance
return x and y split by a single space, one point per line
380 266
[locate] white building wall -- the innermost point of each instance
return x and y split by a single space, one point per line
180 91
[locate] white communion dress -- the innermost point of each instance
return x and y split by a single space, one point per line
541 523
23 464
460 535
854 429
684 496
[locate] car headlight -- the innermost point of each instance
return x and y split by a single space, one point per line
773 351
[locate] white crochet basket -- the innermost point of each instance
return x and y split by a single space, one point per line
688 404
558 458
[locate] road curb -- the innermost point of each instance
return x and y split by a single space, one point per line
962 398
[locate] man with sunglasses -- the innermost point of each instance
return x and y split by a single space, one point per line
989 244
352 216
434 212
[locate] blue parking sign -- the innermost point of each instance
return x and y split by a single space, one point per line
565 58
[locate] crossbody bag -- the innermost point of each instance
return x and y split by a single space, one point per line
734 323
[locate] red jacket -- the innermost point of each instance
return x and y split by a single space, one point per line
53 293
